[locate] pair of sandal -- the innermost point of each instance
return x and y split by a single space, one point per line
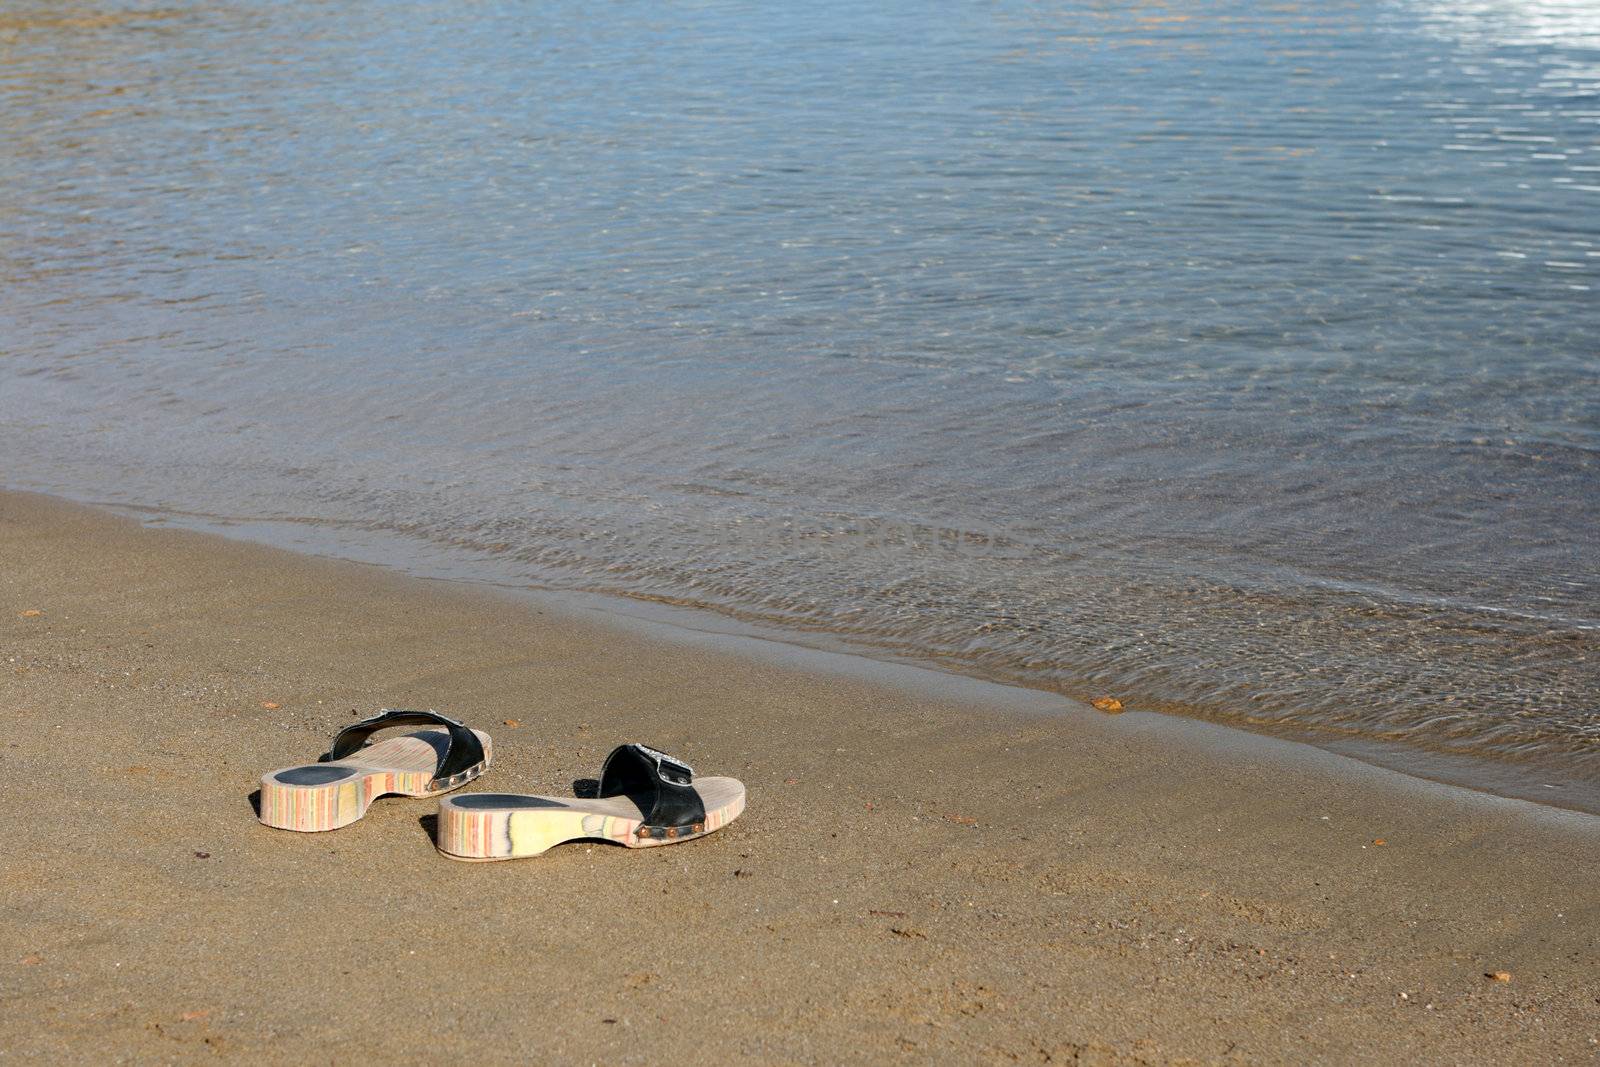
645 797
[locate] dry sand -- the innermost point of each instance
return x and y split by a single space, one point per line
929 870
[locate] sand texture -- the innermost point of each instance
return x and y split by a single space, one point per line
923 874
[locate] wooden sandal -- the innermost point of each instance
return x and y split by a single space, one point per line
645 798
337 790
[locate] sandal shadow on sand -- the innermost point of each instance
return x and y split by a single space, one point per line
338 789
645 798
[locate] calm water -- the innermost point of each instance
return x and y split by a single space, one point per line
1236 359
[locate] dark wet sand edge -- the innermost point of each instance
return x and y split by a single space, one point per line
1532 779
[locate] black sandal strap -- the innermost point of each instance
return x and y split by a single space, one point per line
661 785
462 752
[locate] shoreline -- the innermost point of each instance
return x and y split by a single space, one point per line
928 869
1536 783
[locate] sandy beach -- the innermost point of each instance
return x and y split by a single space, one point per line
929 870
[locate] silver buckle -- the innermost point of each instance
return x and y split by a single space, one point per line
664 761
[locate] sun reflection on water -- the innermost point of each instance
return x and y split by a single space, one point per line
1573 24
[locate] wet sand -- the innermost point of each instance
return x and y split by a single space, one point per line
929 869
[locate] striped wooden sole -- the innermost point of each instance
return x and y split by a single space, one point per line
503 826
326 796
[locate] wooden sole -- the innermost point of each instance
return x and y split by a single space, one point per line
325 796
503 826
